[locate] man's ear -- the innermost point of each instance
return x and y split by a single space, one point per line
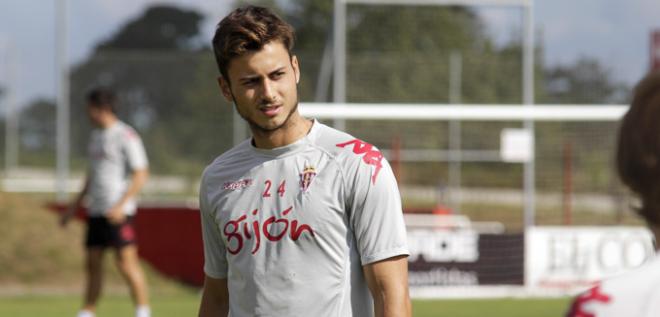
225 88
296 67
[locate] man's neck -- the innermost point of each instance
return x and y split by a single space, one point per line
108 122
292 131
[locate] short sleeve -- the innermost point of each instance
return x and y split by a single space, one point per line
134 149
215 261
376 216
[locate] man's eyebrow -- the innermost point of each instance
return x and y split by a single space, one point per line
248 77
255 76
278 69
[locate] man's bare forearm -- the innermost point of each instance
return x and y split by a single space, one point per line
138 179
393 302
81 195
388 283
215 298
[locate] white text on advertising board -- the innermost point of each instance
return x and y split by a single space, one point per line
443 245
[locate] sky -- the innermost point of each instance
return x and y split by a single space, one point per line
616 32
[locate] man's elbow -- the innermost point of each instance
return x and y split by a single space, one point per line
142 174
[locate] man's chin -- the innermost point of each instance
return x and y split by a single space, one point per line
270 126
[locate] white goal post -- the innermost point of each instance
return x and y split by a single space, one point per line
463 112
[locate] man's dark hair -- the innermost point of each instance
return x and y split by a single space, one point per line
248 29
102 97
638 154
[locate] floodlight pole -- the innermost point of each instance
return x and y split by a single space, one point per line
529 181
455 98
339 47
62 80
11 112
339 83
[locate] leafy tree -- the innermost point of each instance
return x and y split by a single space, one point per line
159 28
2 120
586 81
2 139
208 117
37 126
37 133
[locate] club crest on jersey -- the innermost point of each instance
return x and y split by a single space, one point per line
306 178
237 185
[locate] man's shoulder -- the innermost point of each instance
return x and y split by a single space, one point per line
125 131
229 160
349 151
340 144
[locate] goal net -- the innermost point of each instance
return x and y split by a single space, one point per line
468 171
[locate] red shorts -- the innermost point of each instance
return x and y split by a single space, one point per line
101 233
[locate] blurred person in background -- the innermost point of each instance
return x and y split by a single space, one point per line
636 293
301 219
118 168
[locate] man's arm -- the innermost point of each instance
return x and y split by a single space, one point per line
75 205
138 178
215 298
388 283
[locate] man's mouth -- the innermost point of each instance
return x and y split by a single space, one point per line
271 110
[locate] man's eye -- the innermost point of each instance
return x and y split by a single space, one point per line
250 82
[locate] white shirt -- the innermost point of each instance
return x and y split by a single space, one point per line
290 228
632 294
113 153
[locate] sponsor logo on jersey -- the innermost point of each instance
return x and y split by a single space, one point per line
275 228
306 178
371 155
237 185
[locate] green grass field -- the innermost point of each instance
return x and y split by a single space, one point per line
186 305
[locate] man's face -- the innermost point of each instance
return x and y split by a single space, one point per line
262 85
95 114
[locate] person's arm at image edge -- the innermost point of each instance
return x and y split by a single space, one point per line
388 283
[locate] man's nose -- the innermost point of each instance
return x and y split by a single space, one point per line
268 91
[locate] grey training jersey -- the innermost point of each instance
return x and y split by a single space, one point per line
290 228
113 153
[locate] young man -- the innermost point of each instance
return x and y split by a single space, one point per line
115 152
636 293
301 219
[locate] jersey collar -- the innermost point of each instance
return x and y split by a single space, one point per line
291 148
